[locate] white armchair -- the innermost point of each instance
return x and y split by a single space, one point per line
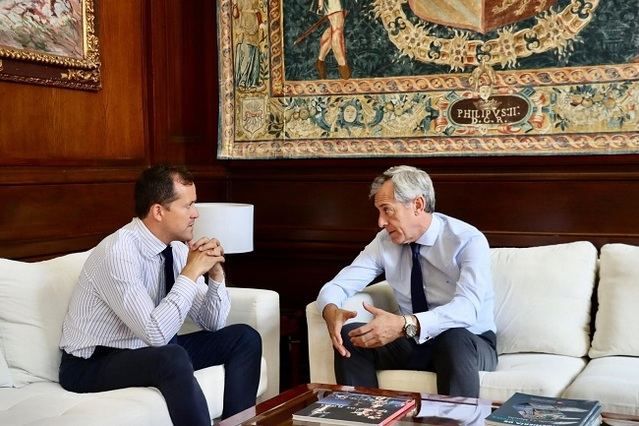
33 302
261 310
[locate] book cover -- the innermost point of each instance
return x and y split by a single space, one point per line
350 408
531 410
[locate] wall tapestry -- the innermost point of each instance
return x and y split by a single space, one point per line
50 42
367 78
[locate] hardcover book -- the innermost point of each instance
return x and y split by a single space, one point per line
350 408
531 410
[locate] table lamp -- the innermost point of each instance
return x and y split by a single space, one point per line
230 223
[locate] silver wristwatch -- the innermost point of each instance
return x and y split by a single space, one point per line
410 326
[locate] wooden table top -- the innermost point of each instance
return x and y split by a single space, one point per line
279 410
429 409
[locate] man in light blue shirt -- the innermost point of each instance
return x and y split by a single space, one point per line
439 270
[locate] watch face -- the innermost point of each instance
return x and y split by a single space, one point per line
410 330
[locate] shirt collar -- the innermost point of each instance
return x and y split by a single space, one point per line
429 237
152 244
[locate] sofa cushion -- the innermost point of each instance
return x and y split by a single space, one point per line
5 376
533 373
539 374
34 298
613 380
617 319
47 404
543 298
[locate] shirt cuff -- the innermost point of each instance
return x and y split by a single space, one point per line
424 336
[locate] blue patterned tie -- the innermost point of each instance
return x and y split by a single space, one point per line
417 295
169 276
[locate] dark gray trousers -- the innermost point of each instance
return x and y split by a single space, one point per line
456 355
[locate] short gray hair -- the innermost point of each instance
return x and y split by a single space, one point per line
408 183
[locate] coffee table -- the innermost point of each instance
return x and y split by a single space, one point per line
279 410
429 409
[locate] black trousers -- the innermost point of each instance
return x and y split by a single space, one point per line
170 369
456 355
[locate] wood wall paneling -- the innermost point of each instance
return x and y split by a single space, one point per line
546 208
68 158
46 126
42 220
182 47
53 219
312 221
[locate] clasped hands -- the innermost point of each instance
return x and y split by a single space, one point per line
384 328
205 255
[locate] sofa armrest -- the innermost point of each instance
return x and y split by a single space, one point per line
320 350
261 310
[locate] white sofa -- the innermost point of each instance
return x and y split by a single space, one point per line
543 313
33 301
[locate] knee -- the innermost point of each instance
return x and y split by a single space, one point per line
174 358
454 341
347 329
248 339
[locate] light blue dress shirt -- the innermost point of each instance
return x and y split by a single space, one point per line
455 262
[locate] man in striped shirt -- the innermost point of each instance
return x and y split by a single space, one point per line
134 293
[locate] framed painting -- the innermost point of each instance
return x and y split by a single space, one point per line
49 42
368 78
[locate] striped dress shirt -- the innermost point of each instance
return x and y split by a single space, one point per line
120 300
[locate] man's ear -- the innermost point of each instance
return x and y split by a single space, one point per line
420 204
156 213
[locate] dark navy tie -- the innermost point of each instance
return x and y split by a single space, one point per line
417 295
169 276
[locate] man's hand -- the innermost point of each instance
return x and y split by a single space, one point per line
335 319
212 248
205 255
381 330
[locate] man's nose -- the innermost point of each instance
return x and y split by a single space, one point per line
381 221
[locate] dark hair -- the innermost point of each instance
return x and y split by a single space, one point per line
155 186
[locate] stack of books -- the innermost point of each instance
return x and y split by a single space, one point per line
352 408
531 410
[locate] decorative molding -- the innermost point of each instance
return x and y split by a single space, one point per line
613 143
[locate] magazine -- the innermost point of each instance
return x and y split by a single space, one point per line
531 410
350 408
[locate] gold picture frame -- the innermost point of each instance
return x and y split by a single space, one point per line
52 43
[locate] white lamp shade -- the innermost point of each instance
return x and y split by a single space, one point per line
230 223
